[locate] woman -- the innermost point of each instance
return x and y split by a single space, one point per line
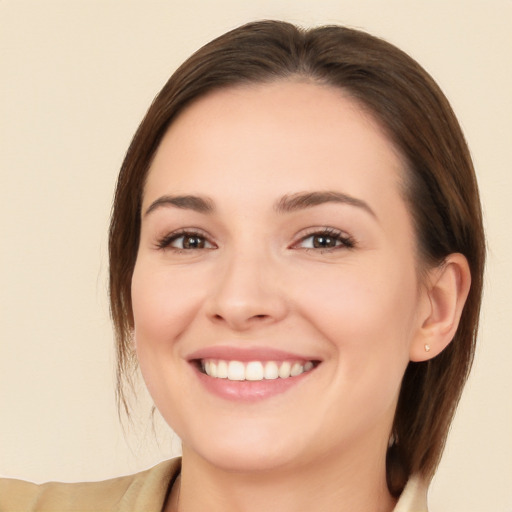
296 258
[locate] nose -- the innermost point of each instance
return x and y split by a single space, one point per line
248 293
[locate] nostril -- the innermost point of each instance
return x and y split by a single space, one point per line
244 312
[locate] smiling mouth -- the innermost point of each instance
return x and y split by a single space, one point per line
254 370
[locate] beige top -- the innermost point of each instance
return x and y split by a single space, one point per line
142 492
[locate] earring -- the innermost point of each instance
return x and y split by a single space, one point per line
427 348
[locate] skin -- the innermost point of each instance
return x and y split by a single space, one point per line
257 281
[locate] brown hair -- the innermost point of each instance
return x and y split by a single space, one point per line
440 187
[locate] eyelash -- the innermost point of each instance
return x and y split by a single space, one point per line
342 240
345 240
166 241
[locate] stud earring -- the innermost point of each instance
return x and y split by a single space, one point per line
427 348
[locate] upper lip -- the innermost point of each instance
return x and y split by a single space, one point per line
246 354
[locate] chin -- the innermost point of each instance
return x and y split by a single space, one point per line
243 452
248 460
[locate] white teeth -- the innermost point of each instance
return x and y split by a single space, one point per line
297 369
284 370
254 370
222 370
236 370
271 371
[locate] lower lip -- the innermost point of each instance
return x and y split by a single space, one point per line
249 391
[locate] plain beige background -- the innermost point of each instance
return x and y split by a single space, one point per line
75 80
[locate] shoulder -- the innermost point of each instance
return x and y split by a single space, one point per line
142 491
414 496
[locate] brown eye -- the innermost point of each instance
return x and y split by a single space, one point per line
193 242
327 240
324 242
185 241
190 242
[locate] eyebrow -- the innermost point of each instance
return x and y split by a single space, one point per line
286 204
188 202
300 201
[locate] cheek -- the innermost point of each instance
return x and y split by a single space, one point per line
351 302
368 317
163 304
369 323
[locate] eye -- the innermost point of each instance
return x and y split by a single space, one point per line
185 241
326 239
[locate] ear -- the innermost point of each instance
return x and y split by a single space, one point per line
446 290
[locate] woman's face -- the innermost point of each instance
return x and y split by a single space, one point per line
276 249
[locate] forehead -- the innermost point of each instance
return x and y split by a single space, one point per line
283 136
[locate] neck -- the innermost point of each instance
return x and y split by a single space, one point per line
328 485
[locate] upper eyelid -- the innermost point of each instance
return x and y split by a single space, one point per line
326 230
299 237
322 230
187 231
164 241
